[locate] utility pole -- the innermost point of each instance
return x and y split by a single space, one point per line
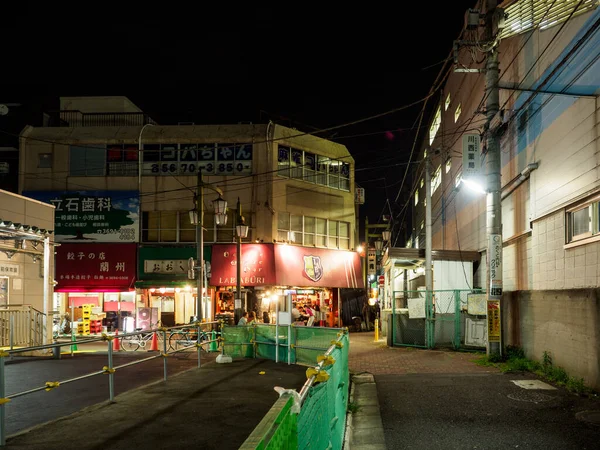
494 186
428 269
493 23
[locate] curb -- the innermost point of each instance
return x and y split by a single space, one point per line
349 428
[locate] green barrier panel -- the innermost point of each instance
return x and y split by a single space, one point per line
321 422
237 341
277 430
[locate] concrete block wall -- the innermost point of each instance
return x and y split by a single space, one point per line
564 323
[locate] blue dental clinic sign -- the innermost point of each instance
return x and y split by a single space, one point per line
93 216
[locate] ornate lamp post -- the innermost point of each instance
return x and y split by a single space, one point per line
197 218
241 232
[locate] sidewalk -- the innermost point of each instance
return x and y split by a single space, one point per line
435 399
214 407
365 430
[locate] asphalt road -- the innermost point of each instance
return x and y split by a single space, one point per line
26 373
481 411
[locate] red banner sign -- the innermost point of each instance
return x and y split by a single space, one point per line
303 266
257 269
95 267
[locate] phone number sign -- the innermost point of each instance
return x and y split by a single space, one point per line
212 159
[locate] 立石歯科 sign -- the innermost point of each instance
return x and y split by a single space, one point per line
93 216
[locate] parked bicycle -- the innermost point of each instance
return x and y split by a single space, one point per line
134 342
187 338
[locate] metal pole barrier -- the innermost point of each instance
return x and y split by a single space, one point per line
277 331
198 346
3 400
111 373
376 330
72 319
12 331
289 344
164 333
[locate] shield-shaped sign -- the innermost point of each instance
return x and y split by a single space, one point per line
313 268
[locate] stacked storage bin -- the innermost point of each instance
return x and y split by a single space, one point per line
83 327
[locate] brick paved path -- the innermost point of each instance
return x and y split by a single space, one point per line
366 355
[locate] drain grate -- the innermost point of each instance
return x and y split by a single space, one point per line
530 396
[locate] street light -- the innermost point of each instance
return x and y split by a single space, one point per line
197 218
386 235
241 232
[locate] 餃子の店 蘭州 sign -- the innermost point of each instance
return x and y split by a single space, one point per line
95 267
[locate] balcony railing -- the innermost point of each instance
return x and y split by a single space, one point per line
74 118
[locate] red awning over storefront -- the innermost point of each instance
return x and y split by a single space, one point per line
318 267
258 265
286 265
95 267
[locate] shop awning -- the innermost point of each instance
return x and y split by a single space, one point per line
99 267
286 265
167 266
317 267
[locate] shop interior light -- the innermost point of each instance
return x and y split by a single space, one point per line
178 290
359 249
162 290
386 235
188 288
152 290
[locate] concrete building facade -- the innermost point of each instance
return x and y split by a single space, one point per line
293 188
548 125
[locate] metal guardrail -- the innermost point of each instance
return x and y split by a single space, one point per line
109 369
22 325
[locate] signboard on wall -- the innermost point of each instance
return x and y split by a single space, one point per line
493 317
495 262
93 216
187 159
95 267
9 269
471 155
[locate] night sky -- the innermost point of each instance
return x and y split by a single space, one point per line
300 66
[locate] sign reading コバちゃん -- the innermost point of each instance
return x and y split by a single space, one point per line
93 216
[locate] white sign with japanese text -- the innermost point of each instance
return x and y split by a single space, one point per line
471 155
9 269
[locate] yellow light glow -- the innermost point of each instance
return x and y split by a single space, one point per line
359 249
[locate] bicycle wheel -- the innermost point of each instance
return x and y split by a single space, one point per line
130 343
204 338
177 341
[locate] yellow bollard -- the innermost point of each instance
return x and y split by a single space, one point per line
376 329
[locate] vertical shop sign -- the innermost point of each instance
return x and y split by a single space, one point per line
495 257
493 318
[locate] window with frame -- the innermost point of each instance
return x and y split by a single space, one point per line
457 112
436 180
45 161
448 165
447 103
87 161
122 160
436 124
313 231
583 221
416 197
300 165
176 227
